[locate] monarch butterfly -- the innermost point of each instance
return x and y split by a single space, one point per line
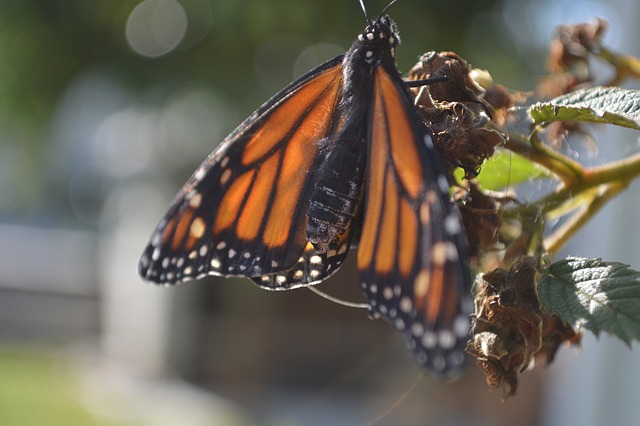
337 155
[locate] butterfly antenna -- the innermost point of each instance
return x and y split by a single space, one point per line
364 9
385 9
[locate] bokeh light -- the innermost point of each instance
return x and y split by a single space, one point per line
156 27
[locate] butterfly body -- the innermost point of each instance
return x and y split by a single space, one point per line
340 153
337 196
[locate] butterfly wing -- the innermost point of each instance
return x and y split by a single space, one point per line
243 211
412 249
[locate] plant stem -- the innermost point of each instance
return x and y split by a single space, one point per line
561 235
561 168
623 170
574 168
610 179
626 66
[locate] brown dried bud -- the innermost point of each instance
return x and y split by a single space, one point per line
510 329
459 87
572 44
481 219
569 58
455 112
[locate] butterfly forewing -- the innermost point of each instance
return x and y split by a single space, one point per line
243 212
412 251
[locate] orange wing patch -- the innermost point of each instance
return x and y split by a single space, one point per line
284 118
387 250
408 237
232 201
255 208
181 227
401 140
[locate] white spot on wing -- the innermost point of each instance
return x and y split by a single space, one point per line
443 184
461 326
224 178
195 199
428 141
397 290
452 252
200 173
417 329
446 339
387 293
405 304
452 224
429 340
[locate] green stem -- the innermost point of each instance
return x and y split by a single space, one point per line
560 236
612 178
573 168
623 170
626 65
566 169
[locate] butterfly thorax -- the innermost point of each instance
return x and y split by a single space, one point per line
373 48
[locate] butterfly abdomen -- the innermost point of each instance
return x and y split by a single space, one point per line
336 197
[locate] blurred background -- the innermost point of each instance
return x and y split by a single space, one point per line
107 107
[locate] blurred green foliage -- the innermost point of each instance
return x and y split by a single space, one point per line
36 391
45 45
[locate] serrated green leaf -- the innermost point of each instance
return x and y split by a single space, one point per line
505 169
594 294
609 105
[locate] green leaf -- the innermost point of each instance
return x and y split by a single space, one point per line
609 105
594 294
505 169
